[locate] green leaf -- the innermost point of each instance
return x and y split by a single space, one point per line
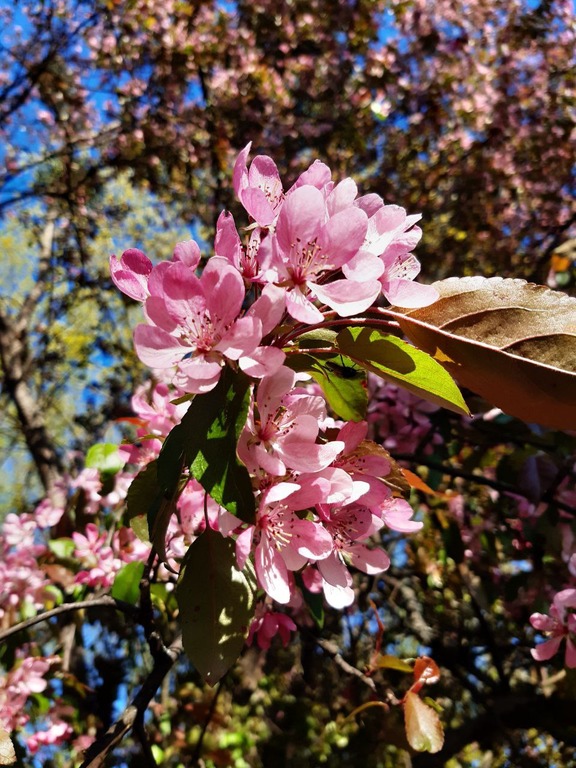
62 548
171 460
143 492
206 439
216 602
387 661
400 363
127 583
149 507
317 337
434 704
105 457
342 381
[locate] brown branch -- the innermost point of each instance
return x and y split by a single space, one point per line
97 753
334 652
471 477
15 360
96 602
413 607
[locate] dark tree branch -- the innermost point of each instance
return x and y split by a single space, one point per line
164 661
471 477
14 359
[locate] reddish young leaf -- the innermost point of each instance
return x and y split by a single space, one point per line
425 671
416 482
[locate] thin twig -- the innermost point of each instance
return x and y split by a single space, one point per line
198 748
96 602
334 652
471 477
140 733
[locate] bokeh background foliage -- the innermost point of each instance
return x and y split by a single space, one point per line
119 124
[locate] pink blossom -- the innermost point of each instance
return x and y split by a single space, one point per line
89 482
194 505
56 733
282 543
260 190
391 236
128 547
348 526
50 510
400 419
281 433
159 414
97 557
365 461
267 624
560 624
227 244
24 584
194 325
26 677
19 530
310 243
397 515
155 414
131 272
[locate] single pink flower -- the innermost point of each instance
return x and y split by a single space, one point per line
194 325
282 543
364 460
391 236
267 624
560 624
348 526
157 410
133 272
130 273
259 188
308 245
281 433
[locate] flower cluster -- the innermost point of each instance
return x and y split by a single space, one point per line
318 243
311 254
28 676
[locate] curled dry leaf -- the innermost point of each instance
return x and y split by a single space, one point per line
510 341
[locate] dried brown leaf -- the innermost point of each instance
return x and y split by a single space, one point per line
510 341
